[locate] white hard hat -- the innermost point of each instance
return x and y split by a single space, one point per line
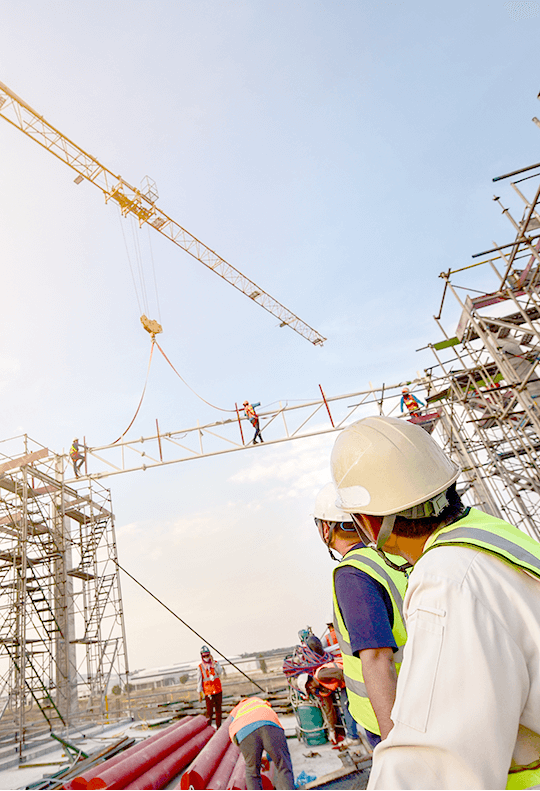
326 508
382 466
301 682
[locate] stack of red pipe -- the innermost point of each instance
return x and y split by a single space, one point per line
220 765
152 763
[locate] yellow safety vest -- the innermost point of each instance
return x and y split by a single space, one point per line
489 534
395 583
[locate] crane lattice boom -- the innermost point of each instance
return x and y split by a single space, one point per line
133 201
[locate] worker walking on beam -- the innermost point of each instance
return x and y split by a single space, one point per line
368 601
77 458
467 709
209 686
256 727
252 416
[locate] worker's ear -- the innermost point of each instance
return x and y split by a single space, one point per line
325 532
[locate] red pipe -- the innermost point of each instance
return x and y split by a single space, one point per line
81 781
267 775
237 780
161 774
125 771
220 778
208 760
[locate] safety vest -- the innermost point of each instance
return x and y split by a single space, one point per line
330 686
251 710
250 413
210 681
74 451
395 583
410 402
489 534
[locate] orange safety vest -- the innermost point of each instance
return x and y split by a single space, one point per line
210 680
410 402
331 686
251 710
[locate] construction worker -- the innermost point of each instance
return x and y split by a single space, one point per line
409 400
368 600
467 709
77 458
326 680
209 685
256 727
249 412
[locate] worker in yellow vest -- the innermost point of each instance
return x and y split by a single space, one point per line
368 602
467 709
209 685
77 458
256 727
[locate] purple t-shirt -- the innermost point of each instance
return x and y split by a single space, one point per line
366 608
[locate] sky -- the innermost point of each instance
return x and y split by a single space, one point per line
338 154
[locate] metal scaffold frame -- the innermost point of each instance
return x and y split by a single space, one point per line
487 392
62 637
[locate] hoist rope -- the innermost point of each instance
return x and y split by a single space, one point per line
138 257
153 271
220 409
143 392
204 640
129 262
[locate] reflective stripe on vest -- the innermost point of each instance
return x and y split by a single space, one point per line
251 710
395 584
489 534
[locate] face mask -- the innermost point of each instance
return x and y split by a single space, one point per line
206 659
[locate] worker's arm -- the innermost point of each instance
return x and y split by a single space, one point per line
199 680
380 678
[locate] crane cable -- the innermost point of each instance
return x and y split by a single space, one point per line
142 397
220 409
206 642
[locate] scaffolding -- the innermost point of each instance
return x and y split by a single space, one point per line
62 637
486 389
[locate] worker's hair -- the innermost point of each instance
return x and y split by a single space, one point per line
415 528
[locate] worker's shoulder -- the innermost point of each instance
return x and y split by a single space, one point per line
473 569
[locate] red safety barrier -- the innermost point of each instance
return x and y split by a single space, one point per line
237 780
220 778
208 760
161 774
126 771
82 780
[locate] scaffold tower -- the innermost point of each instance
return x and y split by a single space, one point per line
62 637
486 383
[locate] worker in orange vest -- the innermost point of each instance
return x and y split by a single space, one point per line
256 727
329 678
252 416
412 402
209 685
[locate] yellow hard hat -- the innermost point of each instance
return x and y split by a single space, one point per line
383 465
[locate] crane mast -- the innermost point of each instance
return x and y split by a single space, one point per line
142 205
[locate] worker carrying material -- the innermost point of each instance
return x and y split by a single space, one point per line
77 457
368 601
249 412
410 401
256 727
467 709
326 680
209 685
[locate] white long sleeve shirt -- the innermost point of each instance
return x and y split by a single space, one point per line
470 676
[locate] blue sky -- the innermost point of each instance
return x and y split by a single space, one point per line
341 156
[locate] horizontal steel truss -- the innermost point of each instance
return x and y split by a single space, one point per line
141 205
283 424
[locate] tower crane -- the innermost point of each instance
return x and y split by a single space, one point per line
140 204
